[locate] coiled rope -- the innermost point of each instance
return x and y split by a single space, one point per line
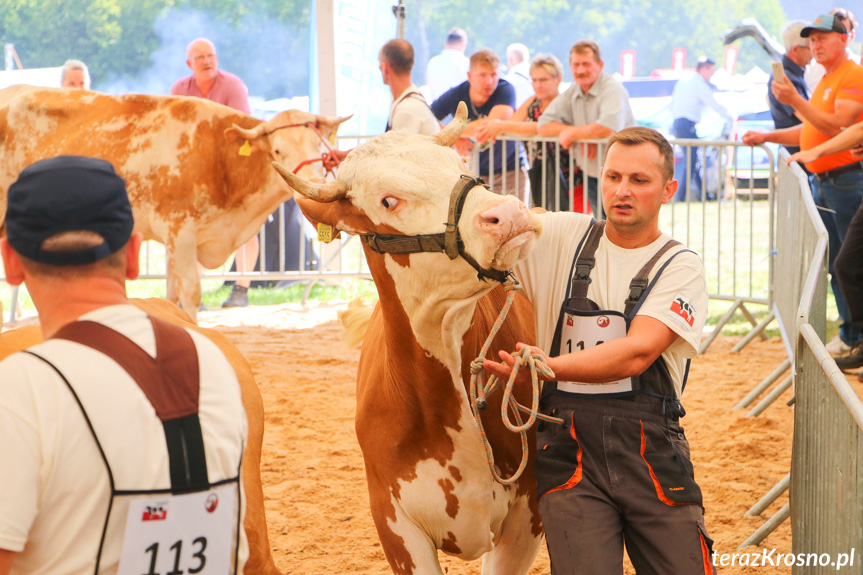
479 390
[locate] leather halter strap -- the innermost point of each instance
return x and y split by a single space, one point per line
448 242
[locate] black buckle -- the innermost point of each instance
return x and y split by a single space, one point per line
582 271
636 290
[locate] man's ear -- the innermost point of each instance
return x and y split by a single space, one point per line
670 190
133 252
11 264
189 64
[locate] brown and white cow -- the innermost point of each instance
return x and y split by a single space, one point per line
260 560
189 186
429 482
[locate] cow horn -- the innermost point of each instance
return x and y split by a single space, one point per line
251 134
448 136
329 192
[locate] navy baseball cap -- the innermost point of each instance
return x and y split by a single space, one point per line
64 194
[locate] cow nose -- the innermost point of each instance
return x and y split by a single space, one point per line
503 218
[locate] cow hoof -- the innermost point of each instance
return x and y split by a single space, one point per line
239 297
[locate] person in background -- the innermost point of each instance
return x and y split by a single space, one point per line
595 106
113 403
518 72
487 96
409 111
797 55
449 68
848 264
75 75
546 73
815 71
837 179
689 99
209 82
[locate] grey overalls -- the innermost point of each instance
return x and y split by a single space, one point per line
618 469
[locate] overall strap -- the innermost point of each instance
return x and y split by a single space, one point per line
171 383
638 285
585 261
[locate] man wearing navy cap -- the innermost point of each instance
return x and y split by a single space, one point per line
108 405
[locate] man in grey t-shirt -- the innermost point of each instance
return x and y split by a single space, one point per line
595 106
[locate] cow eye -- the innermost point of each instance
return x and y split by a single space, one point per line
390 202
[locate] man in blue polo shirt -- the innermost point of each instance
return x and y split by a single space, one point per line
488 96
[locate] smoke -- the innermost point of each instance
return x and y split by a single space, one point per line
271 57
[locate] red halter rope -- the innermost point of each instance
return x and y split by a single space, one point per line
328 155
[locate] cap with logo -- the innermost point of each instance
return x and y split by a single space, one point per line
824 23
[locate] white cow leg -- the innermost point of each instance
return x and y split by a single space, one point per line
516 548
411 551
183 271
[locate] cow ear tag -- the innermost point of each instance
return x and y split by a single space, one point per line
325 233
246 149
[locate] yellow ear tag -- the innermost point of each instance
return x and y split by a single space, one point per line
325 233
246 149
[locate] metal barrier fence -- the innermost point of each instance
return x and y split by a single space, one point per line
827 459
801 263
730 234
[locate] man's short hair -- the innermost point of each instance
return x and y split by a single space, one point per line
71 242
549 63
484 57
399 54
704 62
585 46
456 36
70 65
643 135
517 52
791 35
847 16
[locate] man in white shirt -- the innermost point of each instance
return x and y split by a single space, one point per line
409 111
619 309
449 68
688 101
518 72
117 416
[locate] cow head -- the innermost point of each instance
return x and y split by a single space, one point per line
289 135
400 184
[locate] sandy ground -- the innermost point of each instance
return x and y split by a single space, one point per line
313 473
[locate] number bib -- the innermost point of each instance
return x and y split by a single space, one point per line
580 332
178 534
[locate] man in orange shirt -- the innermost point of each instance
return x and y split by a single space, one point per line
837 179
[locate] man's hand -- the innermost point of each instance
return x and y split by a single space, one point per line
802 157
332 161
503 370
567 137
754 138
786 93
464 147
488 130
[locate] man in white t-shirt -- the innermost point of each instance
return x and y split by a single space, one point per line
409 111
449 68
619 310
114 401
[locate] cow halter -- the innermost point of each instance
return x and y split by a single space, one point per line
328 155
449 242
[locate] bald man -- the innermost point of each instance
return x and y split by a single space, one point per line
207 81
